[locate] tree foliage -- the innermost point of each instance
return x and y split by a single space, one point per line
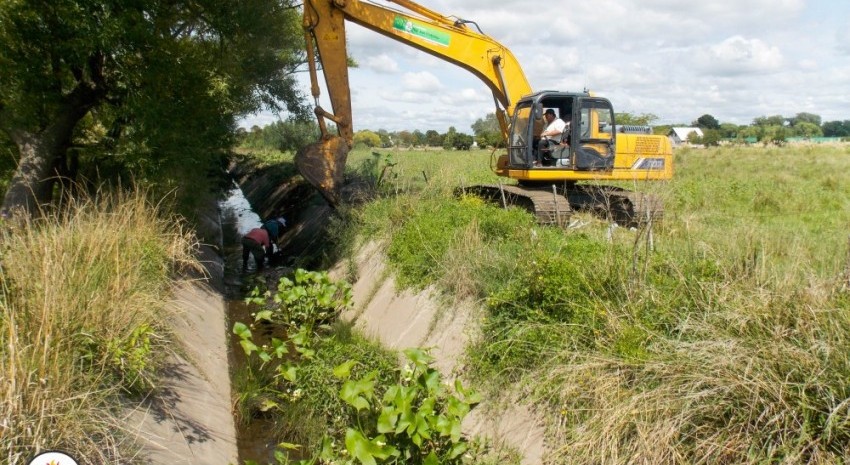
147 89
487 131
807 129
643 119
449 138
775 120
433 138
367 138
836 128
286 136
707 122
805 118
463 141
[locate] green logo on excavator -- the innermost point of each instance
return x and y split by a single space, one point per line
422 31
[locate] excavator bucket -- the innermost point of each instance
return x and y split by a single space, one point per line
323 164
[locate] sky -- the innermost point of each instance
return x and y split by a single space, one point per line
733 59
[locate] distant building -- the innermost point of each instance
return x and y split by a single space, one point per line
679 136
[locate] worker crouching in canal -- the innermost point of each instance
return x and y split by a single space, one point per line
259 242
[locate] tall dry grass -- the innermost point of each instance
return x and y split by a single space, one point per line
757 378
752 363
83 294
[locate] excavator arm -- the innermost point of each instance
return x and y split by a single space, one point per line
450 39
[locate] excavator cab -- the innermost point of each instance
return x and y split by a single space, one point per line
588 141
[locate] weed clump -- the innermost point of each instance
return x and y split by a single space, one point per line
83 298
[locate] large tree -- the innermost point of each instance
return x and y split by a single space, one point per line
143 77
805 118
707 121
487 132
836 128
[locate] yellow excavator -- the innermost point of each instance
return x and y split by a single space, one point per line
550 177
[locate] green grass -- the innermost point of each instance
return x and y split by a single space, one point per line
779 208
724 343
432 170
83 298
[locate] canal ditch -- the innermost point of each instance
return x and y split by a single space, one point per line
397 319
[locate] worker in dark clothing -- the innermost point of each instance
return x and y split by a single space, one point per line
258 244
275 227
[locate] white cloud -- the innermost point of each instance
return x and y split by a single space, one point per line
842 38
733 59
469 95
422 81
737 55
381 64
397 96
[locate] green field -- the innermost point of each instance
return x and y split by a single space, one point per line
787 205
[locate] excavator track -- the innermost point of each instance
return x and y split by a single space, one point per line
548 207
626 208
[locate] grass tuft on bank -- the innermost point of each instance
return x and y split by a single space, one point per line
83 298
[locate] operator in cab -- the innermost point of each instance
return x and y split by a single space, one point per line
551 134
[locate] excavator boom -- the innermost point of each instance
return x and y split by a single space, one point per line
450 39
591 148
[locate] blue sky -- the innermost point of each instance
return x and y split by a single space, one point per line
733 59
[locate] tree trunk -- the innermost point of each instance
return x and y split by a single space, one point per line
32 185
29 187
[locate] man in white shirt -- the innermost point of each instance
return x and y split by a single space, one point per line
554 126
551 135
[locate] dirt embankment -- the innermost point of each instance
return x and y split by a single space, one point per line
400 319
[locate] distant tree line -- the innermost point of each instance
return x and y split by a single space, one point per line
451 139
291 134
765 129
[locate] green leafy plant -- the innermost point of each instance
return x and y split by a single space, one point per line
309 300
414 421
128 359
